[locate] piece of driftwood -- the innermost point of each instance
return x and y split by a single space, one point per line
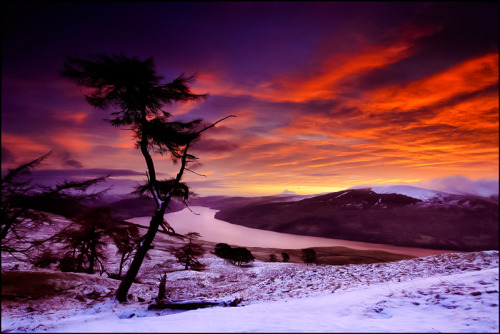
192 304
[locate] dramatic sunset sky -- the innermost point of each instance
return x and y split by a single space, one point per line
328 95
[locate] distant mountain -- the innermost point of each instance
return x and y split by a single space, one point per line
220 202
423 194
415 192
419 218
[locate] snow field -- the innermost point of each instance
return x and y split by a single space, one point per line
453 292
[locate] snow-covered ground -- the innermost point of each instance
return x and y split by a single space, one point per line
452 292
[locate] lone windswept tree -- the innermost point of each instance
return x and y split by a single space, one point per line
134 91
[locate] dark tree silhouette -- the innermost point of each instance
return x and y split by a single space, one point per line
309 255
240 255
273 258
189 253
133 89
237 255
25 206
126 240
285 257
223 250
85 245
162 289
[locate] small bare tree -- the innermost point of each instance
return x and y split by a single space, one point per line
188 254
126 240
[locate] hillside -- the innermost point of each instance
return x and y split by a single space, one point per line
350 291
446 221
455 292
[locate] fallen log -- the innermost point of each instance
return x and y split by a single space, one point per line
192 304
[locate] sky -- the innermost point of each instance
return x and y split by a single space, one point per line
327 95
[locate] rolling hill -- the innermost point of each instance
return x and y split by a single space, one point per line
439 220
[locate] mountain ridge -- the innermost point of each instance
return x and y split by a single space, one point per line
445 221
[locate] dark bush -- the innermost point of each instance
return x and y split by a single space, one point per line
285 257
45 259
238 255
223 250
309 255
67 264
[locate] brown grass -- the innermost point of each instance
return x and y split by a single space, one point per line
331 255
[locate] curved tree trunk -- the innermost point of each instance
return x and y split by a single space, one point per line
157 219
128 279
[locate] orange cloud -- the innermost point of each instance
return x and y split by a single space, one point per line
323 84
77 117
338 68
72 142
458 135
478 114
21 145
470 76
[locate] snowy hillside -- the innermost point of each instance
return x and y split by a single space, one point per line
415 192
453 292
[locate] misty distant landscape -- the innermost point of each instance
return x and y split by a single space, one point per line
431 219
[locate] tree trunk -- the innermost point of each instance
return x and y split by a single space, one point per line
156 221
92 258
126 283
122 260
79 267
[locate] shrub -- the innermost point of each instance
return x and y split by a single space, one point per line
238 255
222 250
45 259
309 255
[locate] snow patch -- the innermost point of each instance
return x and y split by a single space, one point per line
415 192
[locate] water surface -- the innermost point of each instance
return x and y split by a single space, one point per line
202 220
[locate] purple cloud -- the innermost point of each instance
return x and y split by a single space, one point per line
459 184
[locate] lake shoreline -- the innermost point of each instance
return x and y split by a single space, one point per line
201 219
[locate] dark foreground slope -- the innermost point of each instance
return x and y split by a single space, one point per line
452 222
